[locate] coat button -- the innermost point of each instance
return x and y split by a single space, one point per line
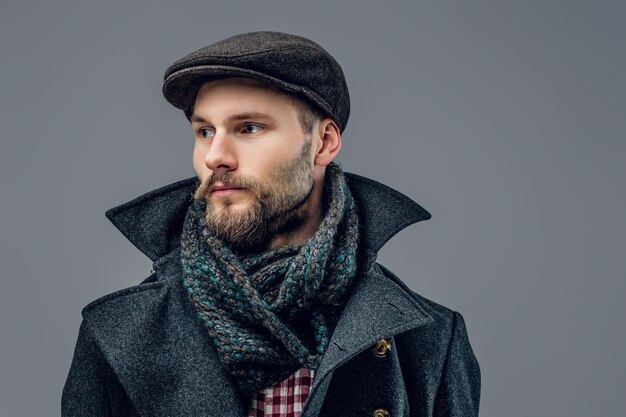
380 412
382 348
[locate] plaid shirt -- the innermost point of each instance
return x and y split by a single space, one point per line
285 399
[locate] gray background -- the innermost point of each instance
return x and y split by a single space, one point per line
504 119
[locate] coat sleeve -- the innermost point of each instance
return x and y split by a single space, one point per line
459 390
91 388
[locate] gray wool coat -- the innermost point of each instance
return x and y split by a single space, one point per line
141 351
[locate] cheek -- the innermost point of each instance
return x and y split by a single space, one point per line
271 154
262 166
198 164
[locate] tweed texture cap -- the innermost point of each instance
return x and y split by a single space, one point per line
293 64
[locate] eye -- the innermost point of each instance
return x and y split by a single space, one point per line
252 128
206 132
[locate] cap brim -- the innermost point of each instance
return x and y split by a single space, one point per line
180 88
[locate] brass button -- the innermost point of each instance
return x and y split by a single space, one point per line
380 412
382 348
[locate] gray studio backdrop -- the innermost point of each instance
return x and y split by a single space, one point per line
504 119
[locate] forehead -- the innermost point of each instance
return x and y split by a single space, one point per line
240 92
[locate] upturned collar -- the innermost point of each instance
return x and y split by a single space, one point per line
153 221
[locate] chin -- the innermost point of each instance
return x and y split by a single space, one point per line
226 208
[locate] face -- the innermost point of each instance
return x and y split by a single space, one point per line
254 161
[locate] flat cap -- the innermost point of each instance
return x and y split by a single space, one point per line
293 64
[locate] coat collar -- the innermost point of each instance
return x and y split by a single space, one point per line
153 222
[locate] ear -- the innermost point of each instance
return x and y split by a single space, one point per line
329 139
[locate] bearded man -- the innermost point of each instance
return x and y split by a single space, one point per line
266 298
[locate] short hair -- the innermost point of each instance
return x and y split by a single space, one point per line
308 115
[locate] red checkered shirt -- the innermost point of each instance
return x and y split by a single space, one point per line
285 399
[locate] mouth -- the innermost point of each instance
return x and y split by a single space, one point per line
223 190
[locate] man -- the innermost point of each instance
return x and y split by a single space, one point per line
266 298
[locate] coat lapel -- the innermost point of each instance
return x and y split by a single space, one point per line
378 308
160 352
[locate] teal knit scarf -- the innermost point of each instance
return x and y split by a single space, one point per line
272 313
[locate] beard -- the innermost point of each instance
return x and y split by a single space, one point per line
278 206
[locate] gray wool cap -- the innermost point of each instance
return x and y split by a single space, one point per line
293 64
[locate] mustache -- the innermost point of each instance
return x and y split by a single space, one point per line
229 180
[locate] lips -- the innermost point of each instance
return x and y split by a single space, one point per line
225 187
223 190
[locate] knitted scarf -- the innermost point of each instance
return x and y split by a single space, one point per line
272 313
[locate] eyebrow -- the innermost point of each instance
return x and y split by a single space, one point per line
237 117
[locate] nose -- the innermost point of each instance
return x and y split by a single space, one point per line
221 154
